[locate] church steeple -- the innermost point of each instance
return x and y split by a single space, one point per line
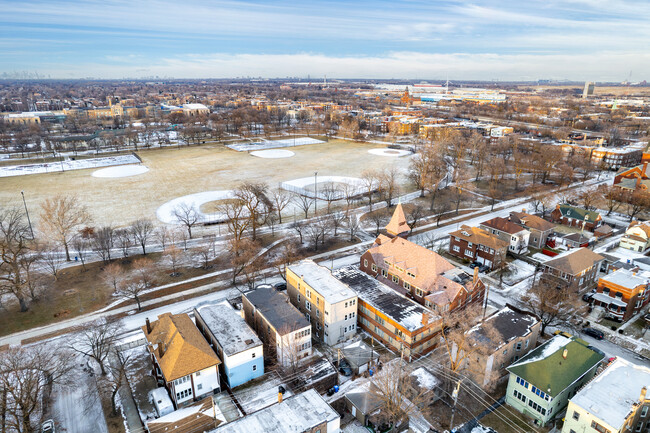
397 225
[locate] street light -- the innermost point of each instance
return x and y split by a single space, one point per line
27 213
315 193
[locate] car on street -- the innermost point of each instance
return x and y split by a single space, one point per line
474 265
598 335
587 297
48 426
484 268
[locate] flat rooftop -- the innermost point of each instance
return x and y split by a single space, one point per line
277 309
611 394
229 328
402 310
627 279
296 414
322 280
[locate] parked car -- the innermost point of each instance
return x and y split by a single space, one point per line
475 265
344 368
280 286
48 426
484 268
598 335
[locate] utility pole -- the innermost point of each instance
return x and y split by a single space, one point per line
454 395
27 213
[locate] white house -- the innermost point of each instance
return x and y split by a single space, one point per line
239 349
637 237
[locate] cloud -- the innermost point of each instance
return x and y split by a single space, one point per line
416 65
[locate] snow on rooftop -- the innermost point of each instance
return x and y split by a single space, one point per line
627 279
195 107
321 280
294 415
552 346
229 328
425 378
611 394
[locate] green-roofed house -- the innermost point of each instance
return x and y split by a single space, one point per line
542 382
575 217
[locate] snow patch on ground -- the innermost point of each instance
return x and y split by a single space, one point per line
389 152
272 144
67 165
273 153
120 171
165 213
517 272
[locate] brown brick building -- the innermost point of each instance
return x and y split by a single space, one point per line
477 245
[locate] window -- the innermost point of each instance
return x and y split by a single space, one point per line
470 245
598 427
526 345
456 248
298 297
644 411
307 305
395 279
365 263
198 373
518 347
387 263
384 273
407 286
373 267
308 293
639 426
254 354
576 415
199 386
379 319
254 367
469 253
346 317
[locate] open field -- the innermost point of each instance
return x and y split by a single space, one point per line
177 172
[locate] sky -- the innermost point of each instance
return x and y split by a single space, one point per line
596 40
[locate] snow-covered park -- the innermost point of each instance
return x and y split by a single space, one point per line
306 185
67 165
165 213
272 144
120 171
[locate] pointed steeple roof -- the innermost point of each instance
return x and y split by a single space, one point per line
397 224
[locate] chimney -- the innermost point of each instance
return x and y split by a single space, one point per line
643 170
161 350
281 391
565 353
148 325
644 390
279 397
425 318
475 279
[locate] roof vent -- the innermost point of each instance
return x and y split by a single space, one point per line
565 353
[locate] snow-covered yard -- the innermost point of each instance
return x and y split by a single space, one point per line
518 271
165 213
271 144
120 171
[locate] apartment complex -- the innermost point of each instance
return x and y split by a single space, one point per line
328 304
622 294
615 401
239 349
285 332
183 361
398 322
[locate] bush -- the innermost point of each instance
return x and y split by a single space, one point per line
587 323
621 331
613 328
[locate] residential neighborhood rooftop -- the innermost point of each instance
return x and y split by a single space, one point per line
509 324
547 368
321 280
574 261
296 414
277 309
503 225
611 394
628 279
479 236
578 213
229 328
402 310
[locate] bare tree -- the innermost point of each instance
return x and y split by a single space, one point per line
370 179
96 340
242 254
50 258
80 245
379 218
61 217
15 247
237 220
113 274
389 387
287 255
330 193
281 199
142 230
26 375
254 197
353 225
123 240
290 348
460 342
336 221
111 384
204 254
143 271
131 289
636 203
388 186
612 197
414 215
102 242
552 304
299 226
304 202
162 235
187 215
174 257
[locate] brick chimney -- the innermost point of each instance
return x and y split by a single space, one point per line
425 318
161 350
644 390
148 325
475 278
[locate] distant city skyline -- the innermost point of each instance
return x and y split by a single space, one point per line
492 40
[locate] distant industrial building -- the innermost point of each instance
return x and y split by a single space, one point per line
588 90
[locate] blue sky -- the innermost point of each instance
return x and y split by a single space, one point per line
525 40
